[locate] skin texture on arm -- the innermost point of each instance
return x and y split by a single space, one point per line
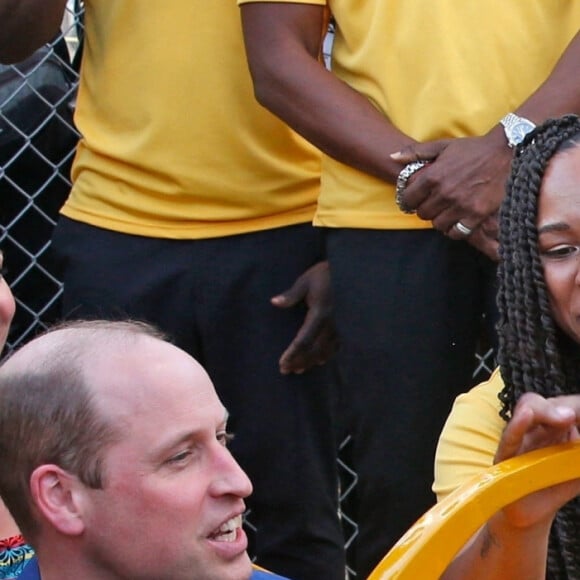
467 182
283 43
513 544
560 93
27 25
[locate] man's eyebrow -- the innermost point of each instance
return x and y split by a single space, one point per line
180 438
188 435
553 227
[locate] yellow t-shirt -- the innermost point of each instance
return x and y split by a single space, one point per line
470 437
444 68
175 144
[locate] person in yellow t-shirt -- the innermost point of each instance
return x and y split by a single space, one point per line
191 208
411 81
535 402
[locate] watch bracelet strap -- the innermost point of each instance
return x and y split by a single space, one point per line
510 120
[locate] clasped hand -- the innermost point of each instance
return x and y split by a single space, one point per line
465 182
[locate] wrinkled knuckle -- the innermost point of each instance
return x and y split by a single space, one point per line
425 214
449 197
481 208
439 225
409 150
527 398
432 179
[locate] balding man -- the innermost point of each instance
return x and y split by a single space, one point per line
121 469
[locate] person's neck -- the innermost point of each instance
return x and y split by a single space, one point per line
63 559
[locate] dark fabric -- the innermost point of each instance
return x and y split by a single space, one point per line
213 297
409 310
37 143
35 101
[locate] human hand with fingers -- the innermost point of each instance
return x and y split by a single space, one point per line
462 186
538 422
316 340
514 541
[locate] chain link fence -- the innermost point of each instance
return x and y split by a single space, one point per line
35 157
37 141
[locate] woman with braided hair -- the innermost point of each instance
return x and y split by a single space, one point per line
533 399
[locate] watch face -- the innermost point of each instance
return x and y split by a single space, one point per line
519 130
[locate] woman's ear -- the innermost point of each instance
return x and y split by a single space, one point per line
58 498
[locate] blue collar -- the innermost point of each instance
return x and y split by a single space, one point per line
31 572
259 575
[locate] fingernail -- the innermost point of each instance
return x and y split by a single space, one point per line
564 412
396 155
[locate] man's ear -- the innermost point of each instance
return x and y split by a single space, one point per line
58 496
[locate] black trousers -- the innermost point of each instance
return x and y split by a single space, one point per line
409 310
213 297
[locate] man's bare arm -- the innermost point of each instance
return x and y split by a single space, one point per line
27 25
283 43
467 182
560 93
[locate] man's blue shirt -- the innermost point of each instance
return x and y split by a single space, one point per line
31 572
259 575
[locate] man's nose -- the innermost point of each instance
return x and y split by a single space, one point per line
230 477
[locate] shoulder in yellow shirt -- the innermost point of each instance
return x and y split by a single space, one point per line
470 437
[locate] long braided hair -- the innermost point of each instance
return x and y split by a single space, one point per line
534 354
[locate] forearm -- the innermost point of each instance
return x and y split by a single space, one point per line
501 552
560 92
290 80
27 25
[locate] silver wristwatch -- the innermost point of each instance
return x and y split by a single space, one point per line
516 128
